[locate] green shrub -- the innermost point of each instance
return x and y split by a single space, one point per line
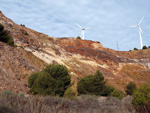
53 80
108 90
58 72
144 47
26 34
22 25
1 27
10 42
93 85
130 88
78 37
116 93
135 49
44 84
141 96
4 36
70 94
32 79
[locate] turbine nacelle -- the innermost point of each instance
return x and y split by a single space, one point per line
138 26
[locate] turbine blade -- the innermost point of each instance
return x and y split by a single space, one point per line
87 28
79 26
140 30
141 20
133 26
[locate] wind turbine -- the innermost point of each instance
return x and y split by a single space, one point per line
82 32
140 30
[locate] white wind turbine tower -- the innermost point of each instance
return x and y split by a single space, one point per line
140 31
82 32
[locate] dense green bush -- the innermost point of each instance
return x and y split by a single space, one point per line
22 25
130 88
144 47
108 90
1 27
78 37
44 84
32 79
70 94
53 80
141 99
4 36
116 93
135 49
141 96
93 85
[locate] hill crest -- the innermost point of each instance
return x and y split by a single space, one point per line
82 57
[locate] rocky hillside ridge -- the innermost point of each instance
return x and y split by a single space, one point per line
35 50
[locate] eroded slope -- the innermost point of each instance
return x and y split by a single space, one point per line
82 57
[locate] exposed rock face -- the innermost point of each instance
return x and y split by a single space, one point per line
82 57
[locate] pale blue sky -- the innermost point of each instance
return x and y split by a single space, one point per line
109 19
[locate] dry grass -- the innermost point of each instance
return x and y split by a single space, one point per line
34 60
14 103
143 109
137 72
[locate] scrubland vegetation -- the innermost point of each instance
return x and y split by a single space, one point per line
15 103
144 47
4 36
51 92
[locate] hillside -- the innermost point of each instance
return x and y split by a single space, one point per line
35 50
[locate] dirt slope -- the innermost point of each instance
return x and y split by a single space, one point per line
82 57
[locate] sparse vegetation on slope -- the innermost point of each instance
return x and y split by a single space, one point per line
4 36
81 56
137 72
144 47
